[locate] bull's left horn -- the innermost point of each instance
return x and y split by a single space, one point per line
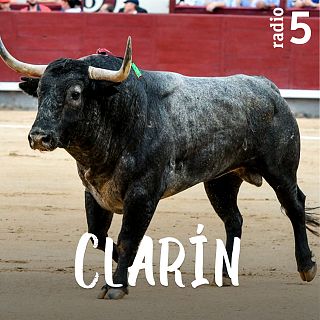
27 69
114 76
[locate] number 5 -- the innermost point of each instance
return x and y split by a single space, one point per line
300 25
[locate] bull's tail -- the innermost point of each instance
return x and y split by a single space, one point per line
311 218
312 221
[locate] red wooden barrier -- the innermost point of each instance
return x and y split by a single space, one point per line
197 45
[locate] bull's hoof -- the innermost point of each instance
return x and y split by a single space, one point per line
310 274
116 294
102 293
226 281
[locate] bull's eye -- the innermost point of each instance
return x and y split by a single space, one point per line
75 95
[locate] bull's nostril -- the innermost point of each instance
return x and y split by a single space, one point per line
46 139
41 140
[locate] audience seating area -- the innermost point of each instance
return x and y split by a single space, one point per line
54 6
187 9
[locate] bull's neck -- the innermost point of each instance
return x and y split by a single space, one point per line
110 134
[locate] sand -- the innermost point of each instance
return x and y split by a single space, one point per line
42 218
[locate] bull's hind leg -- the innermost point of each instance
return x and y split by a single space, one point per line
283 181
222 193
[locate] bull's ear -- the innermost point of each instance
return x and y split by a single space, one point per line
29 86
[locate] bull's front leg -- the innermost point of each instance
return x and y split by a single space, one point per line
139 207
99 221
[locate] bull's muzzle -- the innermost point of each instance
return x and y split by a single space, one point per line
41 140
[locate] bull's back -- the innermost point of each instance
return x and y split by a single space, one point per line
217 125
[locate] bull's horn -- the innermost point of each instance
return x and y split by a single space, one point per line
27 69
114 76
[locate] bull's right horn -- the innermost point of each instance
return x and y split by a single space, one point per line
111 75
27 69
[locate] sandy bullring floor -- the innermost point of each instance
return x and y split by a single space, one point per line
42 219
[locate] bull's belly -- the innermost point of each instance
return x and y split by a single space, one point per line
178 179
201 168
174 189
178 182
109 198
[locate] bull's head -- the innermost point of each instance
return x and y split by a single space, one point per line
64 89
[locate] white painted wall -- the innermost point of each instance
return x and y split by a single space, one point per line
152 6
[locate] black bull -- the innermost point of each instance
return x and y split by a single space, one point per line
138 140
